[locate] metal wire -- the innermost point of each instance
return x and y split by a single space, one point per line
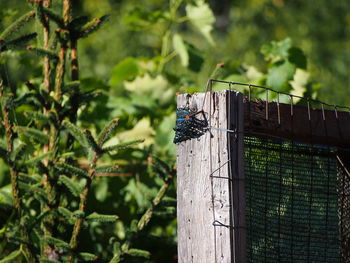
250 86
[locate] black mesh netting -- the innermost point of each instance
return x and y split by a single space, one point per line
292 195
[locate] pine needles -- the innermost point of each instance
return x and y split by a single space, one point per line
46 144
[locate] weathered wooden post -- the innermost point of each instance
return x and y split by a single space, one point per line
210 182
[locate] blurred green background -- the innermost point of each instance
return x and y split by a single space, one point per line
151 49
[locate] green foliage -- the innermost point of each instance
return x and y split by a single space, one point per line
122 145
71 170
134 76
32 133
124 70
43 52
56 242
76 132
107 132
102 218
72 185
202 17
92 26
16 26
87 256
12 257
17 43
138 253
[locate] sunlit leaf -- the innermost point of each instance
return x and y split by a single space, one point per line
299 82
124 70
202 17
276 51
180 48
278 76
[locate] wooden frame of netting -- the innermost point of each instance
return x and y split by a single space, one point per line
244 192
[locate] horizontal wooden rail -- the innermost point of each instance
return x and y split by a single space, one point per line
297 123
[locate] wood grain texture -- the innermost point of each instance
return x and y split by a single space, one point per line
331 128
202 199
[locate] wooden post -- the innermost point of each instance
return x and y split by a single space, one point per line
210 185
237 188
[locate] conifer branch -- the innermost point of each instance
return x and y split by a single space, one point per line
53 16
122 145
48 54
15 26
9 140
149 213
92 26
13 172
107 132
17 43
46 33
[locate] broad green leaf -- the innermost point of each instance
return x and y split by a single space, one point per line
195 58
154 87
301 78
253 74
142 129
276 51
297 57
141 19
124 70
181 50
278 76
165 134
91 83
202 17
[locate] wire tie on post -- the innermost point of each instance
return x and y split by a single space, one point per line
336 111
323 113
249 92
218 223
217 169
308 109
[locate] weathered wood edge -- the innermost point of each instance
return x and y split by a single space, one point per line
237 189
203 199
328 127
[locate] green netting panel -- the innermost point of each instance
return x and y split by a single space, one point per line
291 202
344 212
